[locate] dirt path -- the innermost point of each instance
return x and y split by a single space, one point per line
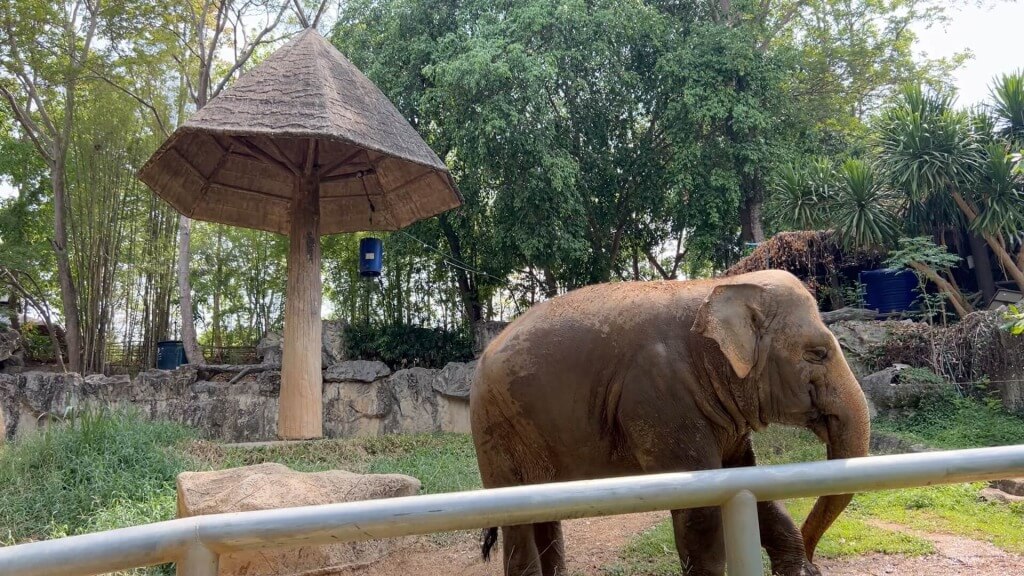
594 543
953 555
590 544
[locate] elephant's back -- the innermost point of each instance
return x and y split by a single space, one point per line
548 381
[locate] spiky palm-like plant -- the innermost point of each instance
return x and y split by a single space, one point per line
1001 193
935 153
863 211
793 204
926 146
1008 97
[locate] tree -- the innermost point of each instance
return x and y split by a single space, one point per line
210 27
44 52
929 151
1007 95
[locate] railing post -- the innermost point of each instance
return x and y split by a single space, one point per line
198 560
742 535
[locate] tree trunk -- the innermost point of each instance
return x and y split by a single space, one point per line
68 292
468 291
300 415
960 304
982 266
1009 266
188 324
751 220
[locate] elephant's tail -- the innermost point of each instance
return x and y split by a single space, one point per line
488 538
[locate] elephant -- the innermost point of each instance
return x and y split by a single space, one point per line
631 378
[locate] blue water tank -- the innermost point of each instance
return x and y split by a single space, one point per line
170 354
889 290
371 251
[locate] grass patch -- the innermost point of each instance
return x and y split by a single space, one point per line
64 480
952 422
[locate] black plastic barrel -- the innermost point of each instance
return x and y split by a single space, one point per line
170 354
371 251
889 290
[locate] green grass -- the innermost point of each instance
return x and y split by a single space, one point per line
69 478
952 422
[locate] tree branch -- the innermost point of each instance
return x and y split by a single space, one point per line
247 51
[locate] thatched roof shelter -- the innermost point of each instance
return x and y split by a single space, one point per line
807 255
233 162
304 144
817 257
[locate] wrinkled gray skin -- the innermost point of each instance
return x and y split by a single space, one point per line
645 377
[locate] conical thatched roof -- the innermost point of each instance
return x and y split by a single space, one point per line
232 162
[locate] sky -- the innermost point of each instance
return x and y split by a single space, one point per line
990 33
992 36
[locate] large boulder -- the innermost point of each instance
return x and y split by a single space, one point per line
483 332
268 349
32 399
11 351
416 405
333 351
269 486
901 388
455 379
356 371
334 346
357 408
859 340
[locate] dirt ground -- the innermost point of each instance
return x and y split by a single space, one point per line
594 543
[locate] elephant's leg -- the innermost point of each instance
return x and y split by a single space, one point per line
699 541
780 537
520 551
551 547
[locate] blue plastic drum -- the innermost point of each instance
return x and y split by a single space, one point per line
371 251
889 290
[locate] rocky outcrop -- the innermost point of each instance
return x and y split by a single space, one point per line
269 486
334 345
896 389
30 400
269 350
859 339
356 371
361 398
11 352
483 332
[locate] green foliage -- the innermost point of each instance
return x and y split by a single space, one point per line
863 214
94 471
799 199
1008 97
923 250
925 144
403 345
951 421
37 344
1014 320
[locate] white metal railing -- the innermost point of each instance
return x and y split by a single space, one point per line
195 543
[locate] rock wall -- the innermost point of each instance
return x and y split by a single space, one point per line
361 398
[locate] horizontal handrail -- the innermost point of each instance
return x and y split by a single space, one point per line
171 540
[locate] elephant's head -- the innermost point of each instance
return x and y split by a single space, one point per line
787 368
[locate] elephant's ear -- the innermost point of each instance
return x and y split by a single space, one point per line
731 316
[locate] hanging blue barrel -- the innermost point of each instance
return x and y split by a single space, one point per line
170 354
371 251
889 290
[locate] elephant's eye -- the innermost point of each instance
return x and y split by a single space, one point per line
816 355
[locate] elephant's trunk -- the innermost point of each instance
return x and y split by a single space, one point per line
845 429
